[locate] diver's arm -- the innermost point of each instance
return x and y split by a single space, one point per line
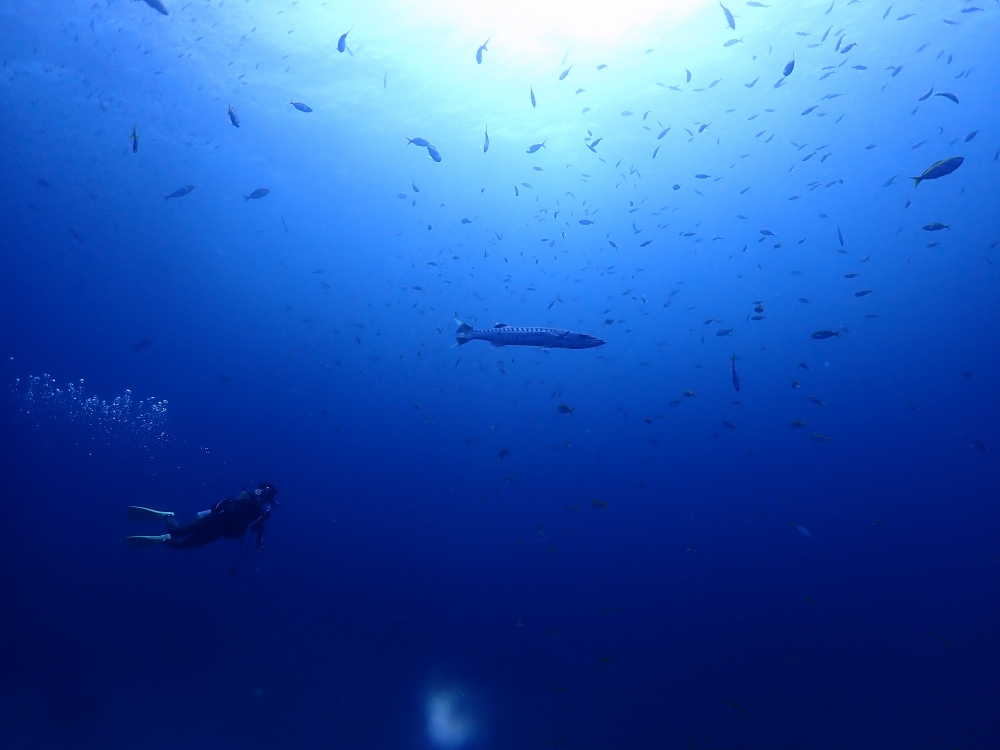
258 526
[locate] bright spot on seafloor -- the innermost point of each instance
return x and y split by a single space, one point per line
448 726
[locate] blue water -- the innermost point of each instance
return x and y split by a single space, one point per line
454 562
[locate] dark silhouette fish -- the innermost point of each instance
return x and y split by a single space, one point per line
341 43
729 17
789 67
820 335
480 51
301 107
736 378
258 193
233 117
179 192
157 6
547 338
939 169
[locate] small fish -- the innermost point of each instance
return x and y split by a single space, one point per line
810 109
688 75
157 6
418 141
662 133
301 107
927 95
823 334
848 48
939 169
179 192
840 236
863 293
433 153
532 90
971 135
736 378
502 454
135 140
486 143
479 52
258 193
342 42
947 96
586 222
565 73
936 226
820 439
233 117
725 332
798 423
751 84
535 147
729 17
564 409
789 67
731 42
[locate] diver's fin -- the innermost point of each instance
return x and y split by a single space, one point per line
138 513
146 541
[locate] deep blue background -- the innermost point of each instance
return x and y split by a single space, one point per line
405 559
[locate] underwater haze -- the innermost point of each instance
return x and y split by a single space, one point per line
628 374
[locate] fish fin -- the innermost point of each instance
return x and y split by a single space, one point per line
916 181
246 198
461 334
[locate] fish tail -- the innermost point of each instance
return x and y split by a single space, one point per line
246 198
462 334
166 197
916 181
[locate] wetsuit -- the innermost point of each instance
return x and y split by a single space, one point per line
229 518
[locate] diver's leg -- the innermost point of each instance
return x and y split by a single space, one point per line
188 529
202 537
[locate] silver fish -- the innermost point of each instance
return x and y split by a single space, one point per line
547 338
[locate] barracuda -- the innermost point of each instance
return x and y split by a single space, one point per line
547 338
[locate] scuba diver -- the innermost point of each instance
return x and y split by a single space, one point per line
228 518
